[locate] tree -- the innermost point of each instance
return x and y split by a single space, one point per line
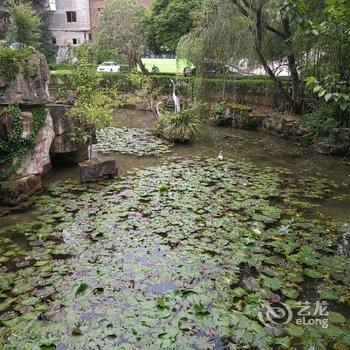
168 22
275 18
25 25
121 28
326 31
94 105
269 27
4 23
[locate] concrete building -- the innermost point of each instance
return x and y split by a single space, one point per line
70 24
97 5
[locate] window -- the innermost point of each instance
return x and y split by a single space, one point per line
54 41
75 41
71 16
90 37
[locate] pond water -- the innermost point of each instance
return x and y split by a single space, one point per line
256 147
181 250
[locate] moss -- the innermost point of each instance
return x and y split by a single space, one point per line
239 107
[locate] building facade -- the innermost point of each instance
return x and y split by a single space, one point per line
75 21
70 23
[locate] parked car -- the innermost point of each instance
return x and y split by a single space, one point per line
108 67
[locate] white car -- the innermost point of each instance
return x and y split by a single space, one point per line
108 67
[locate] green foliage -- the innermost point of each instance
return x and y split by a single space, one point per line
95 108
121 29
324 130
49 49
217 111
15 147
25 25
329 92
168 22
181 127
96 54
235 85
12 60
220 36
65 66
94 104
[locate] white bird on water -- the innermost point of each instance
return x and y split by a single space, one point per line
221 156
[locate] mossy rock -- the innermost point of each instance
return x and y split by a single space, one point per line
236 107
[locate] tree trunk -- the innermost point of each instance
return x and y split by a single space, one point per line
90 146
142 66
263 61
296 91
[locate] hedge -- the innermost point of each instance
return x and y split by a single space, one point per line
246 89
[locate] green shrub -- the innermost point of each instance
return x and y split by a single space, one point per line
57 68
93 105
49 49
12 60
324 131
25 25
217 111
181 127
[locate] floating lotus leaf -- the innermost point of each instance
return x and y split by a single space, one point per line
175 256
140 142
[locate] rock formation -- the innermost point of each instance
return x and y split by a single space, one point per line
28 90
65 149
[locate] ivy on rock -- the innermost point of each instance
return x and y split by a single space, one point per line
15 147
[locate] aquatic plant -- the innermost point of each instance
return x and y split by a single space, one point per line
176 256
181 127
131 141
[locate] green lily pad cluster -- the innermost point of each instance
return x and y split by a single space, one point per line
178 256
140 142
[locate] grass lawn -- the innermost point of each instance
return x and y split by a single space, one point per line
167 65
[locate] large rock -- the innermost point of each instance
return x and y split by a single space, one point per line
6 124
65 148
248 121
97 168
64 144
62 123
16 191
37 159
30 86
285 126
71 157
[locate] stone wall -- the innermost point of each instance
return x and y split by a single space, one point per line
242 117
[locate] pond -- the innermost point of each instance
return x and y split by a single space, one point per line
183 250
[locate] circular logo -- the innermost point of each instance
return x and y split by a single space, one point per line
275 313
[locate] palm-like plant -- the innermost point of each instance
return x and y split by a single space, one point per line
181 127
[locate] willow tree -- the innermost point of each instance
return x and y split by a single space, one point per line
121 28
251 30
220 36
